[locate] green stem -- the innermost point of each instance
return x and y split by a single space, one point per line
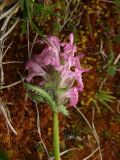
56 144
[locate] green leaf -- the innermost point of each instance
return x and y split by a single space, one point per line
62 109
28 5
57 27
36 98
22 4
62 90
105 97
3 156
40 8
36 28
39 92
111 70
24 27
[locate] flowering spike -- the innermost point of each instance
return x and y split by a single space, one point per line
60 68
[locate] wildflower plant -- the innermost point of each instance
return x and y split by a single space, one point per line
61 73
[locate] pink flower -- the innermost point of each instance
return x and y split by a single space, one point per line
72 71
59 66
54 50
50 54
34 70
73 95
69 48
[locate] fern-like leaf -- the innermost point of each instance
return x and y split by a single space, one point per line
36 98
105 97
40 95
62 109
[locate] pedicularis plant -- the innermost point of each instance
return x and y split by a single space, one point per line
61 73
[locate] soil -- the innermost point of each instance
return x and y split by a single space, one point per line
74 132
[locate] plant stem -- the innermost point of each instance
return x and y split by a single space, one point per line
56 144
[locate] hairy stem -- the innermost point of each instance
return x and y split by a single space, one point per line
56 144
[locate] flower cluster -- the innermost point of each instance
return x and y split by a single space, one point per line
59 66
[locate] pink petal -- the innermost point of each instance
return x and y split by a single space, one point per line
73 95
78 77
34 70
71 38
54 42
69 48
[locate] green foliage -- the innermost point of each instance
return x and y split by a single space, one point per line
27 10
31 10
22 4
57 28
42 9
111 70
3 156
24 27
39 95
62 109
26 7
105 97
